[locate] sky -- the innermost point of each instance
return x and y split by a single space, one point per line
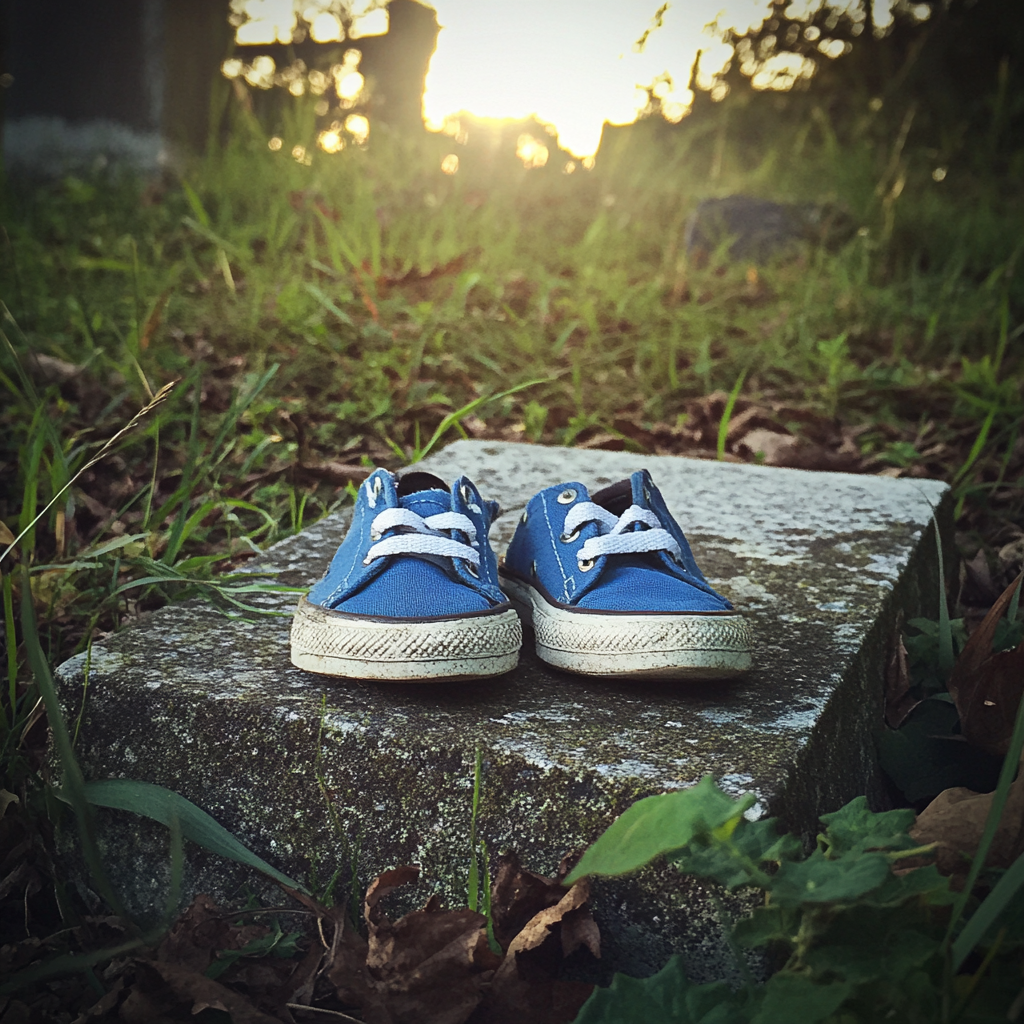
575 64
571 62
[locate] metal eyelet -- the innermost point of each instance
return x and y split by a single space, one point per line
533 568
567 497
473 570
585 564
374 535
522 518
568 538
465 493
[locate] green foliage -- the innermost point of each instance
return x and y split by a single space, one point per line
927 753
171 809
276 942
664 998
857 940
659 824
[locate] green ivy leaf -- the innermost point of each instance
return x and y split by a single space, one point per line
820 880
767 924
927 754
892 956
659 824
855 828
790 998
667 997
729 861
921 882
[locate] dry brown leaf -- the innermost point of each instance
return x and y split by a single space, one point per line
346 971
104 1004
143 1005
752 418
976 586
429 967
899 701
298 986
517 896
152 324
44 369
987 687
955 820
525 987
200 932
205 993
778 449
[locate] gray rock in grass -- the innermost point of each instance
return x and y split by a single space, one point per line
758 229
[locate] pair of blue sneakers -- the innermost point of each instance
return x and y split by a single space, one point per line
606 581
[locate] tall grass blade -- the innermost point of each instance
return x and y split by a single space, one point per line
972 457
158 399
166 806
74 784
12 645
989 912
963 946
945 629
473 885
456 417
1011 612
72 963
723 425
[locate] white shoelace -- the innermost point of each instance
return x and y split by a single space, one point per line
614 540
424 536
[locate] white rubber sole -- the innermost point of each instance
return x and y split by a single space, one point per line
669 646
471 648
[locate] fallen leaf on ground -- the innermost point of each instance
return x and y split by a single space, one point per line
899 701
955 820
206 993
987 687
335 472
526 987
428 967
517 896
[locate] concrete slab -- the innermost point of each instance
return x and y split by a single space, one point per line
320 774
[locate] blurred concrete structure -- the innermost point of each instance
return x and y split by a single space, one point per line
114 79
136 80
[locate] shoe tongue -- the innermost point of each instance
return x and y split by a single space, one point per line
424 494
410 483
427 503
639 498
615 497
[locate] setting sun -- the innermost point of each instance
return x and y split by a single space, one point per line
574 65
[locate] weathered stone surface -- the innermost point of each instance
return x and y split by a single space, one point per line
325 774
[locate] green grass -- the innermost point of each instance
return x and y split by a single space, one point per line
365 307
311 320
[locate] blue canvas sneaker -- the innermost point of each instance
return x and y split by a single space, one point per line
412 593
611 588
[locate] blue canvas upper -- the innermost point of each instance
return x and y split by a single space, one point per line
411 585
541 553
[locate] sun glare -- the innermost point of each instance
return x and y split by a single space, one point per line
572 64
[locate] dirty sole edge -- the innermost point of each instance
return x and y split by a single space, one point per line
705 647
404 651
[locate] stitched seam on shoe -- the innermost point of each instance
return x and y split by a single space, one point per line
342 586
554 548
